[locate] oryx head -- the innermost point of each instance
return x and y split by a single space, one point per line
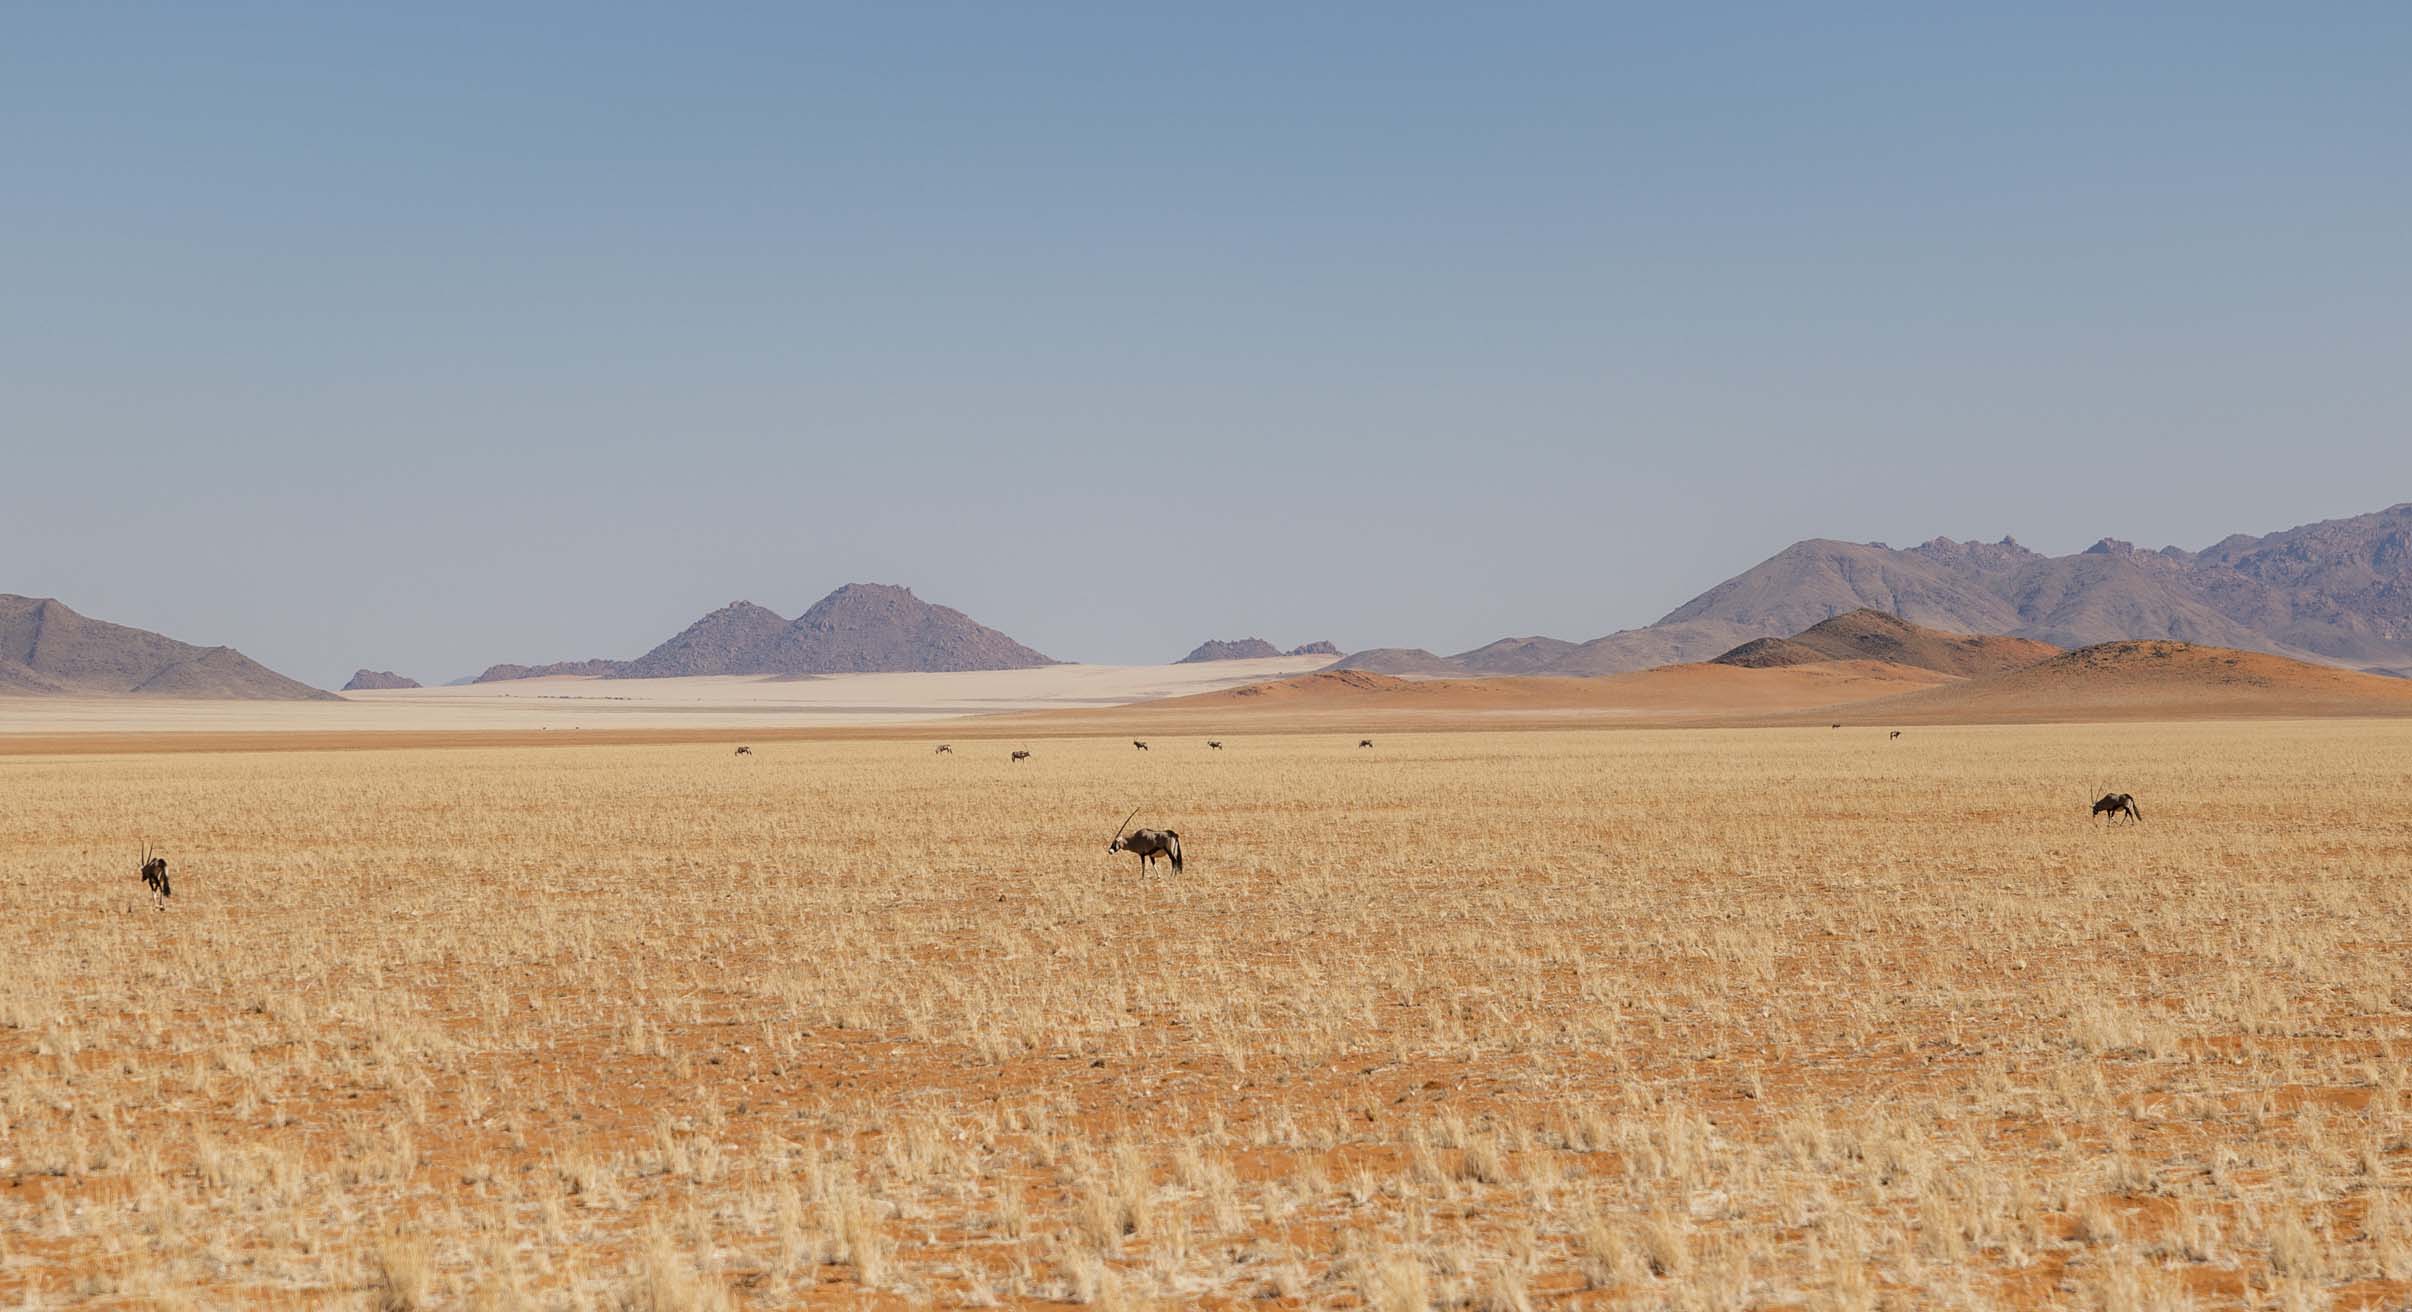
1116 844
154 870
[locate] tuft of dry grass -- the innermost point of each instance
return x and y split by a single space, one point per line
1484 1020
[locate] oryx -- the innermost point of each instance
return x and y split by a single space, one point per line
155 875
1147 844
1138 743
2118 804
1021 756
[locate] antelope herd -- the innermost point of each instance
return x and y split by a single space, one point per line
1146 844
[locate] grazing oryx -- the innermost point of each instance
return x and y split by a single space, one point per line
1021 756
2118 804
1138 744
1147 844
1896 734
944 749
745 751
155 876
1834 726
1365 742
1215 743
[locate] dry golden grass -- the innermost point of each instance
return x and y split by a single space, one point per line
1673 1019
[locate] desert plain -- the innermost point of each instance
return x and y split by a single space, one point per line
1498 1018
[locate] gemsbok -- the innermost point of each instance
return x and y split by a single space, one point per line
1147 844
155 876
2118 804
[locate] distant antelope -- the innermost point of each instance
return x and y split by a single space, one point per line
1147 844
1021 756
1834 726
1138 744
2118 804
155 876
1215 743
1896 734
745 751
1365 742
944 749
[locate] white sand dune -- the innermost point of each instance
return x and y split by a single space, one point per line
698 703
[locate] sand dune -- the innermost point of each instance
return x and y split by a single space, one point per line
1681 689
2153 680
1360 700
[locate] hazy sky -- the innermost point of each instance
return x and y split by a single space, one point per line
445 336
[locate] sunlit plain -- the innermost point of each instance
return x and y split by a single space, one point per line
1690 1019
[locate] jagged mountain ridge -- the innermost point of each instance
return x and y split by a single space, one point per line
2338 591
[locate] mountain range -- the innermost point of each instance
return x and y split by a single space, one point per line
860 628
48 650
2338 591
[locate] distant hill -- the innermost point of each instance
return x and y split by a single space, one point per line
47 649
1251 649
1399 660
590 669
1238 649
1661 644
1874 635
736 639
1513 656
378 680
869 627
860 628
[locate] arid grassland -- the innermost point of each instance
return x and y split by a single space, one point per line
1786 1018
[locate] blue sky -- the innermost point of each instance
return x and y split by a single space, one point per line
435 337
